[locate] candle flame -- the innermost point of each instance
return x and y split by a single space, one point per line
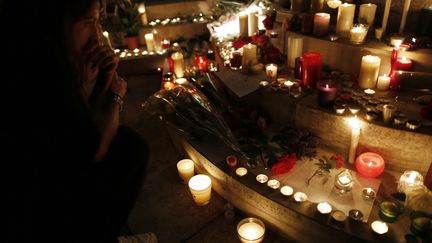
354 122
370 163
327 86
411 178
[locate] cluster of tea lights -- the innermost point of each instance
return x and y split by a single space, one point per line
137 52
200 18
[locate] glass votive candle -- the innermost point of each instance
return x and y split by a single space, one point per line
371 116
274 184
368 194
286 191
339 109
327 91
185 169
251 230
379 227
409 178
421 226
358 33
300 197
324 208
339 216
200 187
235 59
231 161
354 109
261 178
344 182
355 215
241 171
390 210
271 71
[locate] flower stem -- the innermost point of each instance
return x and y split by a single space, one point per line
310 178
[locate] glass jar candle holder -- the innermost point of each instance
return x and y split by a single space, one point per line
327 91
390 210
344 182
251 230
235 59
271 71
358 33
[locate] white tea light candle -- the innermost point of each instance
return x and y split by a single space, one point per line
241 171
185 169
379 227
261 178
271 71
251 230
369 92
274 184
287 191
324 207
358 33
200 187
300 197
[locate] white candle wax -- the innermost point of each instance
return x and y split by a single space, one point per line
355 137
383 82
369 69
286 190
253 23
149 38
345 19
200 187
241 171
386 15
274 184
404 15
143 14
367 14
294 50
379 227
324 207
178 63
300 196
185 169
410 179
243 24
358 34
251 231
249 55
334 3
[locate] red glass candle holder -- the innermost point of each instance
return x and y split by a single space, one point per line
370 164
236 60
165 43
201 61
168 81
311 68
403 64
327 91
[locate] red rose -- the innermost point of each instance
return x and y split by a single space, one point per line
268 22
285 164
271 54
239 43
262 39
339 160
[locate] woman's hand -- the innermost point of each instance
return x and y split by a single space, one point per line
119 86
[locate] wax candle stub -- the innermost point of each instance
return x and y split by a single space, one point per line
287 190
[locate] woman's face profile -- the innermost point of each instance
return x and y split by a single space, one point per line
86 28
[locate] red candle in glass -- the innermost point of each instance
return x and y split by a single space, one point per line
170 64
311 68
201 61
403 64
326 93
165 44
370 164
394 55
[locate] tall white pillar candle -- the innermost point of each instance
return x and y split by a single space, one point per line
106 39
200 187
369 69
149 38
355 137
367 14
386 15
249 55
143 14
404 15
345 19
253 23
185 169
383 82
243 24
177 58
294 50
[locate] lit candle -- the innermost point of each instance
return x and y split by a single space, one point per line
201 61
294 50
166 43
311 69
396 41
253 23
324 207
178 64
355 136
369 69
251 230
334 3
271 71
300 197
358 33
185 169
200 187
344 181
149 38
321 24
241 171
370 164
410 179
106 39
386 15
249 55
403 64
273 183
345 19
379 227
367 13
287 191
143 14
369 92
368 193
327 91
168 85
404 15
243 24
261 178
288 84
383 82
181 81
